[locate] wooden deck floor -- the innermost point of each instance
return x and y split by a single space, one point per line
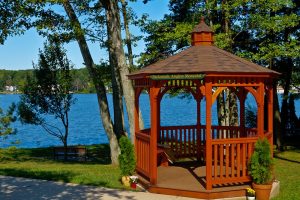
190 181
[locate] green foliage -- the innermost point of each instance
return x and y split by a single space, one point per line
5 120
48 92
127 160
261 163
81 82
250 116
11 153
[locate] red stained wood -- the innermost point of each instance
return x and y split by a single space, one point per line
224 150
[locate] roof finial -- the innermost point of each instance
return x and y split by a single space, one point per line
202 19
202 34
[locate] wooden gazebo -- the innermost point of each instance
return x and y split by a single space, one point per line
222 151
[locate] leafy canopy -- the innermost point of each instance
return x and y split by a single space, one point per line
48 92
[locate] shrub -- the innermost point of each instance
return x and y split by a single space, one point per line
11 153
261 162
127 157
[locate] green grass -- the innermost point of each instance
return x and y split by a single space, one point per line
287 171
39 164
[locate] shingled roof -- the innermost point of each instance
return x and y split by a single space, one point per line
203 59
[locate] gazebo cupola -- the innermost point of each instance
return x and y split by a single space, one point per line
221 153
202 34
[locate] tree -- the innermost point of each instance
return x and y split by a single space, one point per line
97 80
6 118
127 32
172 34
48 93
273 27
118 59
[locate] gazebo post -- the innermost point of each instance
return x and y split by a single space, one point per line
208 96
270 114
198 99
136 109
260 110
242 98
154 101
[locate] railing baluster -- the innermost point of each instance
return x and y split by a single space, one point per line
176 142
227 160
189 142
238 155
194 142
232 160
221 159
244 159
184 142
181 145
216 161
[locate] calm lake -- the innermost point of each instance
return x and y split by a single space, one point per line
86 127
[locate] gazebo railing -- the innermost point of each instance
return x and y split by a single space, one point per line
230 158
183 140
142 149
230 154
223 132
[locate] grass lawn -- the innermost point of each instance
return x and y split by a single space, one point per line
38 163
287 170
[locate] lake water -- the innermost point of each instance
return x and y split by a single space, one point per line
86 127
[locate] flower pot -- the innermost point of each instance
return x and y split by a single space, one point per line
126 181
262 191
250 198
133 185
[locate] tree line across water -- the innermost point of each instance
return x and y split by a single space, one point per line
81 81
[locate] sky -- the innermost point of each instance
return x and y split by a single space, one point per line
19 52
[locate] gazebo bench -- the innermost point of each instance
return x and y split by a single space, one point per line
72 152
165 155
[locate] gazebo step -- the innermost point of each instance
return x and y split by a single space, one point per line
200 194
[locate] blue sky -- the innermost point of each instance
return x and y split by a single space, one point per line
19 52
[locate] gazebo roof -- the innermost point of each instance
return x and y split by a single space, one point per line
203 58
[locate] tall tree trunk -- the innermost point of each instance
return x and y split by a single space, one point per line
284 106
127 32
221 109
277 120
233 110
118 55
119 125
99 85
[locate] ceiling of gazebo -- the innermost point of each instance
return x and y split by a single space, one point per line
205 60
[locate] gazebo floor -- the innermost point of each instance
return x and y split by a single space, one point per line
189 181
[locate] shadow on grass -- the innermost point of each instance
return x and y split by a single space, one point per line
286 159
294 149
